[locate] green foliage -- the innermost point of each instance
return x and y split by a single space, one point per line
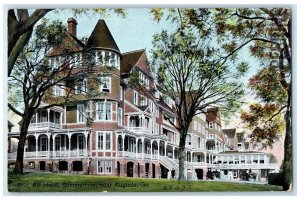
266 84
265 121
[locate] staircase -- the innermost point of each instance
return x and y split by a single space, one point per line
170 164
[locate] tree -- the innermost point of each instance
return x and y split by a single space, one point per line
267 33
21 24
34 77
192 74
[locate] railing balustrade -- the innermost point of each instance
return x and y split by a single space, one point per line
44 125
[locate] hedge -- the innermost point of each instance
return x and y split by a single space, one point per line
275 179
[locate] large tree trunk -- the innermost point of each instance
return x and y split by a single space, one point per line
21 144
288 150
20 151
182 156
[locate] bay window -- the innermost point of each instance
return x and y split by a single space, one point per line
104 111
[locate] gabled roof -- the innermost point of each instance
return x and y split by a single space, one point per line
130 59
69 44
102 38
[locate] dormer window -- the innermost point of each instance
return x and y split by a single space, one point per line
105 84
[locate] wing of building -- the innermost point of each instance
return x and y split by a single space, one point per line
122 129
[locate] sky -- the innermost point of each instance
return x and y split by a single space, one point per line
135 32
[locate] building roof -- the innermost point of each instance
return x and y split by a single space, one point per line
130 59
102 38
69 44
229 132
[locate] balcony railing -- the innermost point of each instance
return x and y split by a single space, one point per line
138 129
51 154
244 166
42 125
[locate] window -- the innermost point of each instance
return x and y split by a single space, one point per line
80 113
106 58
199 142
143 79
31 165
57 143
80 87
57 117
105 84
43 144
104 166
58 91
44 116
112 60
143 100
211 124
135 97
104 141
104 111
120 116
99 57
189 140
121 93
55 62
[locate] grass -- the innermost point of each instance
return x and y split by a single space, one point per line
38 182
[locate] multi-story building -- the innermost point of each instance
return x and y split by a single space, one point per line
124 128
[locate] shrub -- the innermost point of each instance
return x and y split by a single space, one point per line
275 179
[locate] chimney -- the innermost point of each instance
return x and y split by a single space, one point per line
72 24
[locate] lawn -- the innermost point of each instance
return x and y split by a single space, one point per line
39 182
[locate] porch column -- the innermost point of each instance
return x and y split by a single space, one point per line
151 148
123 144
205 158
166 148
251 159
48 135
54 152
36 145
69 137
86 137
173 153
136 147
158 149
143 148
240 159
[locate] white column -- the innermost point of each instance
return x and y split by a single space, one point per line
123 144
143 148
158 148
36 145
173 153
69 137
54 152
166 148
136 147
151 148
86 137
48 145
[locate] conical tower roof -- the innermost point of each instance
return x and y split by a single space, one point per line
102 38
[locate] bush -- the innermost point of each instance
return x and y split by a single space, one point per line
275 179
